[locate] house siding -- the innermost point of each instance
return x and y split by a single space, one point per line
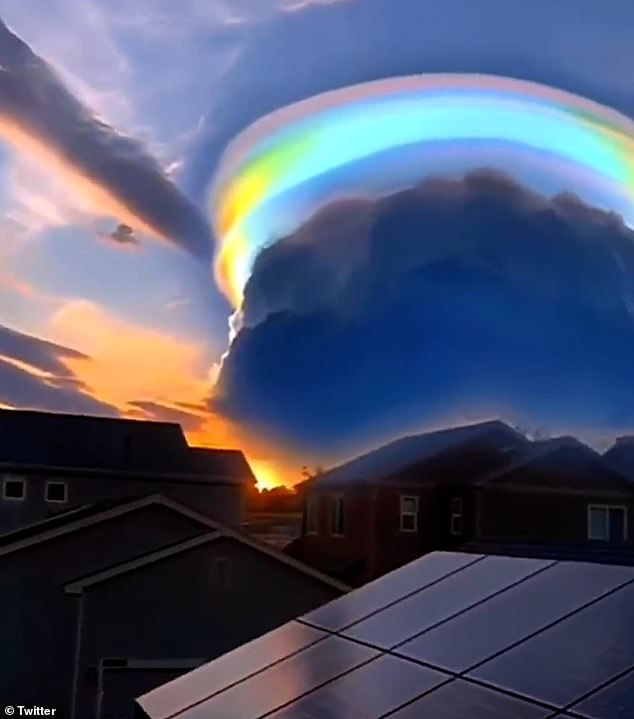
37 621
543 517
223 503
373 533
176 608
355 546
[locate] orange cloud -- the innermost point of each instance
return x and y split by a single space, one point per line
128 362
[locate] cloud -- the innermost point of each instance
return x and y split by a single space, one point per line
122 235
282 60
189 421
129 361
114 172
454 299
34 375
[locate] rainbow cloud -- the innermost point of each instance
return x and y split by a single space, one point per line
377 137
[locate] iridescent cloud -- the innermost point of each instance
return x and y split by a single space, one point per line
374 138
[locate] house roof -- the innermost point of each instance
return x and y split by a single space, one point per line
620 456
394 461
220 463
43 442
81 518
61 519
75 520
469 461
561 463
77 586
449 635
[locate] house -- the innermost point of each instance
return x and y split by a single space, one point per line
560 493
478 486
384 509
50 462
448 636
620 456
273 516
122 593
278 529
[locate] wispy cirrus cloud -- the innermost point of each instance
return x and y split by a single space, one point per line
113 172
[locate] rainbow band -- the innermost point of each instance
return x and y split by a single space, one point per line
379 136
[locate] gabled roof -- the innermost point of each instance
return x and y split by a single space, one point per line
89 516
220 463
45 438
60 519
44 442
394 459
620 456
562 463
466 462
78 586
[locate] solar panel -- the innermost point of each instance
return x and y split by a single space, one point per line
532 636
615 701
367 692
203 682
440 601
283 682
462 700
478 633
570 659
377 594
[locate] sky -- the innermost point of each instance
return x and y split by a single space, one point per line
114 117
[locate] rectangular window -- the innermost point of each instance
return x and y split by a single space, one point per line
336 517
312 514
56 492
409 514
607 523
456 516
14 489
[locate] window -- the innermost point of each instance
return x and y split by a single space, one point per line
409 514
312 514
336 516
221 572
14 489
56 492
456 516
607 523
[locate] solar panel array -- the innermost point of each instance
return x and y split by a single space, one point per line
450 636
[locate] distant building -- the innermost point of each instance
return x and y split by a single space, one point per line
105 601
483 483
448 636
50 462
620 457
394 504
559 493
277 529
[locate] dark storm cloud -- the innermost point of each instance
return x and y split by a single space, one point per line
58 391
35 104
463 298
